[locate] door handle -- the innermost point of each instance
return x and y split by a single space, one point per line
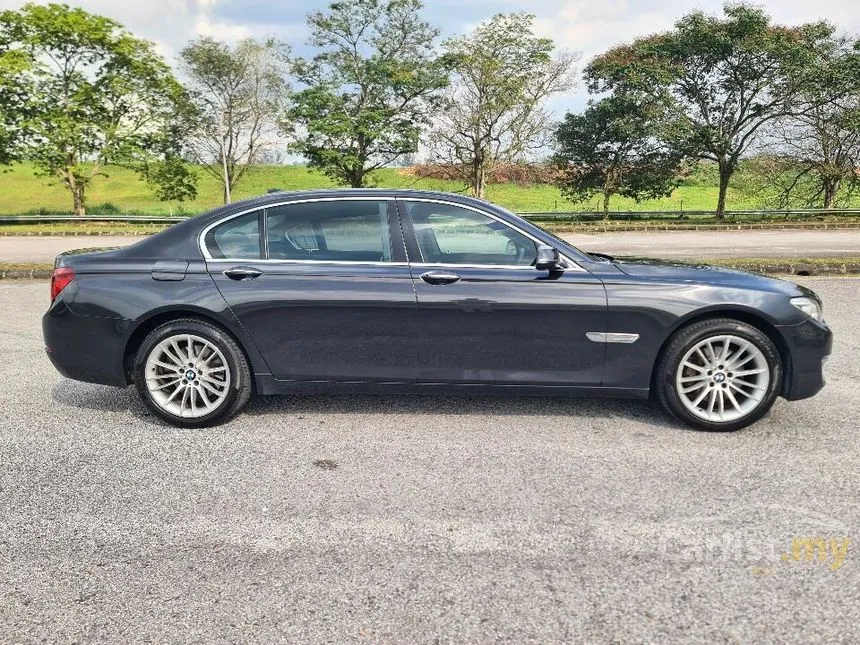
243 273
439 277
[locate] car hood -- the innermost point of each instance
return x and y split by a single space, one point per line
680 271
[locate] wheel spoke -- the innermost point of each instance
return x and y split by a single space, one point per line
749 372
209 387
732 399
202 392
165 385
695 387
702 370
711 401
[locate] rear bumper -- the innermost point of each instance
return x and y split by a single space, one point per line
85 348
809 344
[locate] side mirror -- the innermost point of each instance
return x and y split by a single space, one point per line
547 258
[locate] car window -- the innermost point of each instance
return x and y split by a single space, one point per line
342 230
237 238
448 234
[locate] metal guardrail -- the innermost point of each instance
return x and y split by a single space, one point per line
572 216
681 216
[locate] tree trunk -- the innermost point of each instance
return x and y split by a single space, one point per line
78 199
605 204
726 171
831 190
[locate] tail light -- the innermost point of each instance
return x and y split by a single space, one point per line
60 279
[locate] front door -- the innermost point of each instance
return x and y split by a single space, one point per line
487 315
322 287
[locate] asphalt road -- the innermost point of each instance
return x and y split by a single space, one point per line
723 244
668 244
422 519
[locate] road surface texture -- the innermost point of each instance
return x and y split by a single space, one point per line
668 244
422 519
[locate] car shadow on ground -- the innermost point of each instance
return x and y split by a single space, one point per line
100 398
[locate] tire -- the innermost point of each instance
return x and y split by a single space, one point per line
726 361
205 390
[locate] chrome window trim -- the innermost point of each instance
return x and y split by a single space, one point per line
202 236
571 264
446 265
307 262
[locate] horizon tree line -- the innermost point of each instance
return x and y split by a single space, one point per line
79 93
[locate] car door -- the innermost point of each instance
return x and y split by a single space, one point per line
322 287
487 315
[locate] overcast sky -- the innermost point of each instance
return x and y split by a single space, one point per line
585 26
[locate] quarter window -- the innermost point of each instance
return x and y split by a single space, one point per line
343 230
448 234
237 238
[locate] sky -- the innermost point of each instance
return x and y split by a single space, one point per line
584 26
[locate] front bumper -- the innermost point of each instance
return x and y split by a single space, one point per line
85 348
809 344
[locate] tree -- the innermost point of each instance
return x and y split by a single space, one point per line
494 110
614 147
371 89
816 149
95 95
238 95
727 77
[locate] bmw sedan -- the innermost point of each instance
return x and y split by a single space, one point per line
393 290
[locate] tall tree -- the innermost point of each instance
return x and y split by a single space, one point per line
615 147
727 76
95 94
816 149
371 89
238 95
494 111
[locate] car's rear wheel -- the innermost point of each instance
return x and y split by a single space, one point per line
719 374
191 373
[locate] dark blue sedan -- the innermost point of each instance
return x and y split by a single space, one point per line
397 290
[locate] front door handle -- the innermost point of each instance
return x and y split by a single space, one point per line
243 273
439 277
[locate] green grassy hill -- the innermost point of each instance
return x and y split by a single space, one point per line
22 192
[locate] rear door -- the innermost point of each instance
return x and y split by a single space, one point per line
487 315
322 287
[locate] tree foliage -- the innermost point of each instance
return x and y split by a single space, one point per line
814 152
494 111
238 95
371 89
615 147
86 93
727 77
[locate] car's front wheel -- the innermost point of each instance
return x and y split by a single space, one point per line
719 374
191 373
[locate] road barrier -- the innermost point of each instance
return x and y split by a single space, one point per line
572 216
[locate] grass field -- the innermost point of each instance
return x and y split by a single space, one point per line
22 192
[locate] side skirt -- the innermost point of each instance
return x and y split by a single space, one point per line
266 385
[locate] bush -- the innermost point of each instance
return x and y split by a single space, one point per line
105 208
522 174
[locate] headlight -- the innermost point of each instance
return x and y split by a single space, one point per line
808 306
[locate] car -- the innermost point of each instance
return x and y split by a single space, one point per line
412 291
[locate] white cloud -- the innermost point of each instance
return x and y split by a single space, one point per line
170 24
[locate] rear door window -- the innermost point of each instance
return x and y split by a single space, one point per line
339 231
237 238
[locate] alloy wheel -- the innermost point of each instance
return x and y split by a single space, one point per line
722 378
187 376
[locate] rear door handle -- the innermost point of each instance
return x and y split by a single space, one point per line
439 277
243 273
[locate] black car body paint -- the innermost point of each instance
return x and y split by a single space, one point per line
312 326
